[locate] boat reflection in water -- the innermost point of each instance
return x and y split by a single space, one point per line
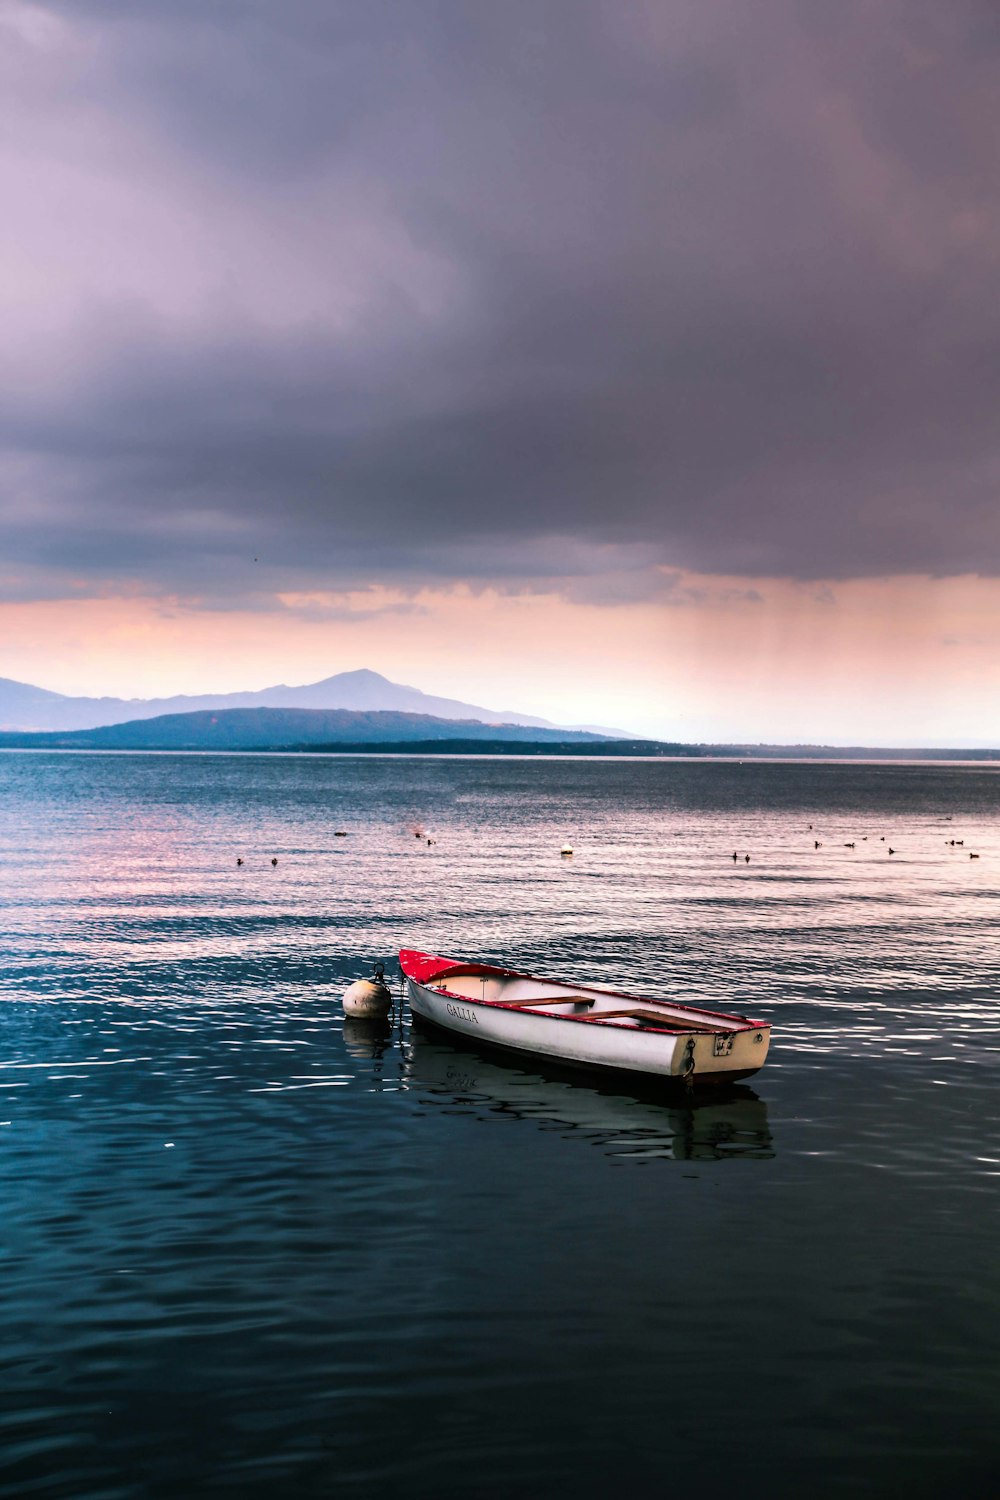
620 1119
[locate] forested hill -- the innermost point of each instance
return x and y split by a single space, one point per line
288 728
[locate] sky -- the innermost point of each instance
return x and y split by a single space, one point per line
632 362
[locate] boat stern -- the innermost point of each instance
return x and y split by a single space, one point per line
723 1056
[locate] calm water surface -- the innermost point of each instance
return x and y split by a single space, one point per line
248 1248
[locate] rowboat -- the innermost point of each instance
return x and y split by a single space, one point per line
583 1025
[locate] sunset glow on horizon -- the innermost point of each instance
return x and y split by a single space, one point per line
790 664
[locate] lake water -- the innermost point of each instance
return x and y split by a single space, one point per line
250 1249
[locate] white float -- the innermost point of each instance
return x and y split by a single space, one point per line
369 997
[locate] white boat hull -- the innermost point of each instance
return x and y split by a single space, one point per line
585 1026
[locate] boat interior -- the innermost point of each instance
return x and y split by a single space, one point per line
512 992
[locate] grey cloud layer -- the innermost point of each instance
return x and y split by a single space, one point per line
548 294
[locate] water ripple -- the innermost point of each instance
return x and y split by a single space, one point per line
252 1247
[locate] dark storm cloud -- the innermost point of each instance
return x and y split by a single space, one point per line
543 294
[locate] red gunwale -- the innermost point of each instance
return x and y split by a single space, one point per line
425 967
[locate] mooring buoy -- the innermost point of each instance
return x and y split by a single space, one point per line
369 997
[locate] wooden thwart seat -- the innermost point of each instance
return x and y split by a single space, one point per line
636 1014
547 1000
653 1017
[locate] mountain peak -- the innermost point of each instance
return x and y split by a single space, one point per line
358 675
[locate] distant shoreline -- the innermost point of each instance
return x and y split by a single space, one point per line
523 751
